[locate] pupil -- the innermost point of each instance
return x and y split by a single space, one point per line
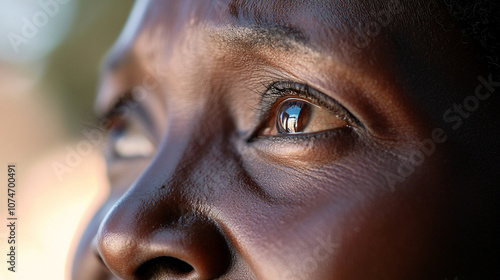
294 116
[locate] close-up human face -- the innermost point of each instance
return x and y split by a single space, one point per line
282 140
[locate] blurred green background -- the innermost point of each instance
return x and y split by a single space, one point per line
47 90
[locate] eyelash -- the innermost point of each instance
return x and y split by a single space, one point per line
269 100
118 112
283 89
123 123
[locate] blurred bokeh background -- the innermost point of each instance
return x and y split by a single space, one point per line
50 52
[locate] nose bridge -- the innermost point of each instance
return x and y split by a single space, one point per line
197 156
207 165
164 215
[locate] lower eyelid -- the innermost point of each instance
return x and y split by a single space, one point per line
324 146
304 137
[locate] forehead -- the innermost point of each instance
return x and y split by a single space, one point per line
156 28
370 39
323 24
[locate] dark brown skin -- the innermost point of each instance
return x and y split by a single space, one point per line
225 196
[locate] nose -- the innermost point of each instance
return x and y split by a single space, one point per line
154 234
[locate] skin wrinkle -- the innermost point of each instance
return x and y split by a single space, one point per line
200 148
202 195
335 167
325 84
350 78
361 80
254 37
234 207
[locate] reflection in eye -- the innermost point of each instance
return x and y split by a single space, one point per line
296 116
127 140
293 116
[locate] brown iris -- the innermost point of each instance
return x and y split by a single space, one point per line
293 116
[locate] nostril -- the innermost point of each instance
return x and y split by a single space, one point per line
163 266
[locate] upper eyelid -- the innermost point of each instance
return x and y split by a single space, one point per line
103 119
119 104
126 107
287 88
283 89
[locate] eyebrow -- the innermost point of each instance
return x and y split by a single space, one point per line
286 38
241 33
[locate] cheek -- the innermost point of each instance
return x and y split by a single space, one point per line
401 235
333 168
320 149
355 211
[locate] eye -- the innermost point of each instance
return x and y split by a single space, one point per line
128 139
293 115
